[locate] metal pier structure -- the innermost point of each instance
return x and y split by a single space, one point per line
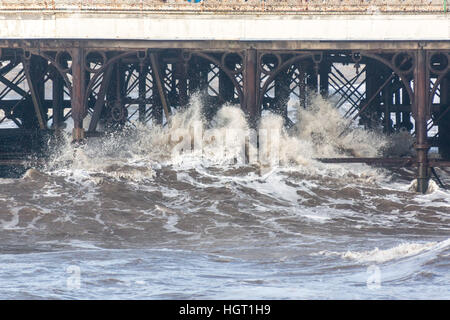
112 62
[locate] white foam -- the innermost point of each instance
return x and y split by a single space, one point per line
383 255
221 143
172 220
13 223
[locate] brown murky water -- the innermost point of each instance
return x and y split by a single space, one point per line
128 217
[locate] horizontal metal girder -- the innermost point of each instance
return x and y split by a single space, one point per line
391 162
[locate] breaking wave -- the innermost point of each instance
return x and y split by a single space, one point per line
400 251
226 141
236 211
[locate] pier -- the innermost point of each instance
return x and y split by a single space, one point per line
82 63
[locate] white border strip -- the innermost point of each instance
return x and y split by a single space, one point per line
224 27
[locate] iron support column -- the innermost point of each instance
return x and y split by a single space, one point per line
58 100
323 81
251 91
282 83
226 87
387 101
181 74
142 92
444 123
78 92
406 116
33 78
421 85
311 80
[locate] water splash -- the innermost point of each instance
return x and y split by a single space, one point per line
400 251
228 140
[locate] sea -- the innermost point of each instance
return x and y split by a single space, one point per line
220 210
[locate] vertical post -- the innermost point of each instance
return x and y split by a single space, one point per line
100 102
142 92
444 122
111 89
397 112
421 85
57 100
282 83
251 87
302 86
157 78
181 73
32 81
406 116
78 92
194 76
376 88
226 87
387 101
311 80
38 76
370 90
324 74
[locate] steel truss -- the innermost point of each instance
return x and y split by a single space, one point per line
103 89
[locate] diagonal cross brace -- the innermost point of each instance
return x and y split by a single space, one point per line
34 97
100 102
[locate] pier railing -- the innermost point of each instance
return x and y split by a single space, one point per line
232 6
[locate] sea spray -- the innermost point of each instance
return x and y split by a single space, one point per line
226 140
322 124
